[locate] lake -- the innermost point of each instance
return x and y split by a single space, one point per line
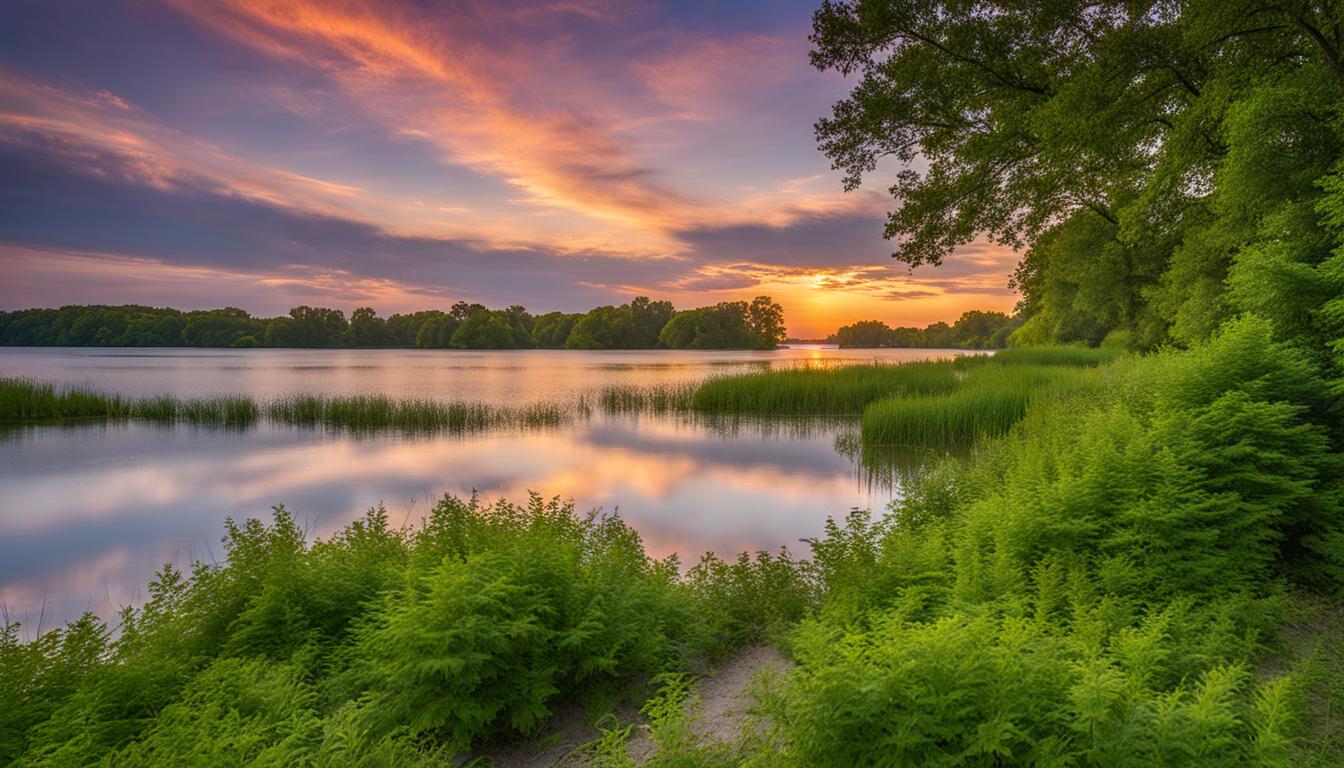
88 512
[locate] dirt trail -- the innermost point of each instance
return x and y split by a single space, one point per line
724 697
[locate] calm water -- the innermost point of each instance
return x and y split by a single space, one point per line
89 512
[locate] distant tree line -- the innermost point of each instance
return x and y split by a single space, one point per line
641 324
973 330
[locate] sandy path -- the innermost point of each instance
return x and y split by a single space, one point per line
724 698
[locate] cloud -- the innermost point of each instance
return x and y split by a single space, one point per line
558 155
464 83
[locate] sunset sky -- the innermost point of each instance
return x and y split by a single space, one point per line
267 153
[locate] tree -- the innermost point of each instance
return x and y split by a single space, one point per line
317 326
366 329
485 329
866 333
722 326
552 329
648 318
766 319
1134 151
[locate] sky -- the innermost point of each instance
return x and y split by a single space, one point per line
401 155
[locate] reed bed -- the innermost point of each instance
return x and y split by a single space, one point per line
28 400
362 412
821 391
658 398
24 400
989 401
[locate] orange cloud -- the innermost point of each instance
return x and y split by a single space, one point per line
514 109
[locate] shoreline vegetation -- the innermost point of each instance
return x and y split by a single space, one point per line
975 395
1109 575
640 324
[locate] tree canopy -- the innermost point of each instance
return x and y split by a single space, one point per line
973 330
1160 165
637 325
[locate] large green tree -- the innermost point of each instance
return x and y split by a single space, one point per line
1137 152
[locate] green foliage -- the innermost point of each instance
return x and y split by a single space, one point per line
633 326
987 401
552 329
726 325
1073 356
839 390
1161 169
26 400
378 412
637 325
973 330
659 398
378 646
1090 589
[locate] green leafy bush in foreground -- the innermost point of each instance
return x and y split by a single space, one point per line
379 646
1092 590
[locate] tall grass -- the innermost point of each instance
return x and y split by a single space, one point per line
659 398
841 390
1078 357
989 401
377 412
27 400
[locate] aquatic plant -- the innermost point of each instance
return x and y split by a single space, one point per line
658 398
806 390
26 400
1077 356
988 401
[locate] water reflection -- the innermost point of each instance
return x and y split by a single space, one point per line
89 511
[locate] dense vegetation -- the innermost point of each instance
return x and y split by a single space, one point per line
641 324
378 646
1165 166
973 330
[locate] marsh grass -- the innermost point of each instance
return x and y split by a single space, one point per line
24 400
989 401
1078 357
368 412
28 400
840 390
659 398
